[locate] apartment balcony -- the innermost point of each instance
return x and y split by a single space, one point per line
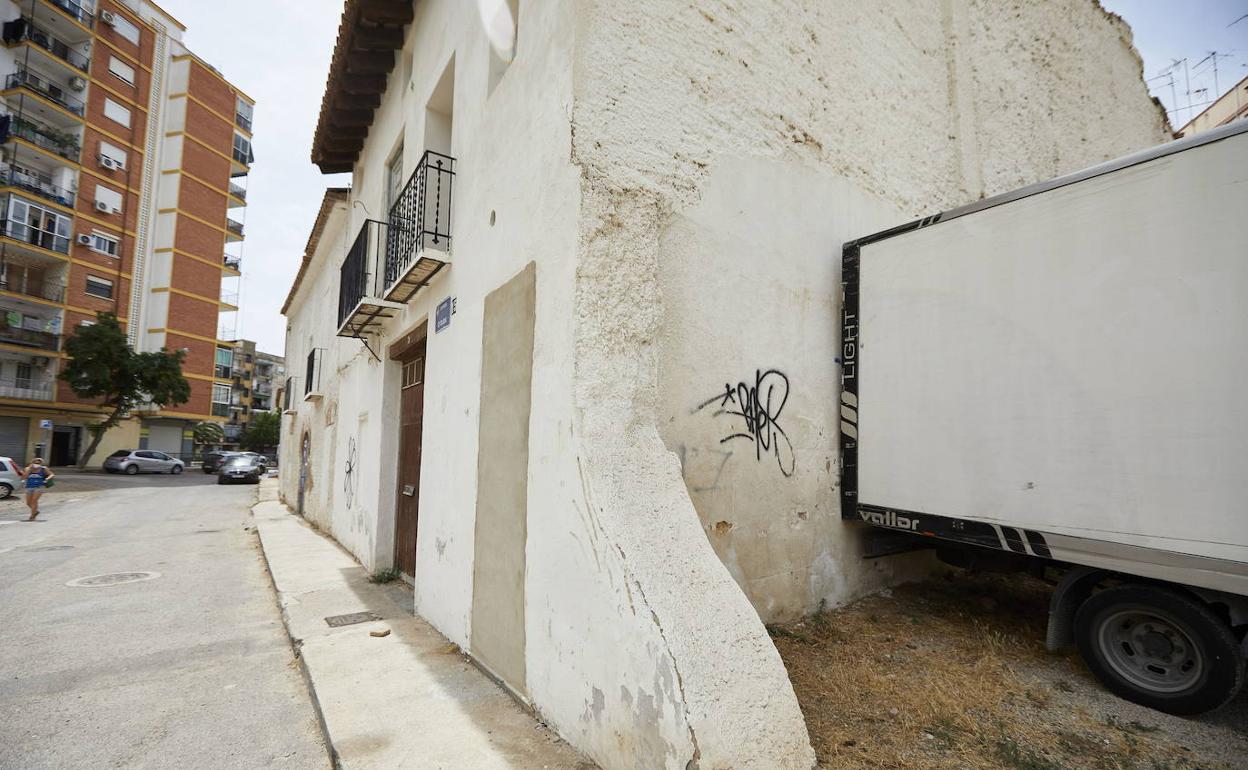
237 197
63 144
229 301
28 388
28 338
75 10
55 102
233 230
418 239
37 184
38 289
360 306
23 30
233 263
22 234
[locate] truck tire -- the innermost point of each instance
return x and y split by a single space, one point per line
1159 648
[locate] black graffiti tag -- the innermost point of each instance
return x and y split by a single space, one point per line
759 406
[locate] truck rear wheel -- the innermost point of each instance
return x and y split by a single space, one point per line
1159 648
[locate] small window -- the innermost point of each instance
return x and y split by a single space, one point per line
109 197
412 371
242 150
115 112
121 70
221 394
394 178
99 287
103 244
114 153
125 28
243 114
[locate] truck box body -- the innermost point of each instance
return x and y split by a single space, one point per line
1063 371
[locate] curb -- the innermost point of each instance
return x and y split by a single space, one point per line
295 647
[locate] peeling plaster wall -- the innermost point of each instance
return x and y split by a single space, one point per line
731 148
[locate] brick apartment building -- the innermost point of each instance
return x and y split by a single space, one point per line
255 378
122 180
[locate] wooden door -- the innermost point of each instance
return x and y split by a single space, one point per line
411 419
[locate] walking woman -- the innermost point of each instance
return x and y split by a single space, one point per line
37 476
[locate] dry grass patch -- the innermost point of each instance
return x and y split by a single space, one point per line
931 676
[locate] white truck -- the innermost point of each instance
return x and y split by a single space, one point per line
1057 378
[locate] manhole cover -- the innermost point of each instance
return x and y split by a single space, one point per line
351 619
48 548
112 579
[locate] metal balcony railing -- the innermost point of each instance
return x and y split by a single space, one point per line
238 191
36 183
41 289
54 141
421 217
33 388
76 10
16 335
24 78
359 277
234 263
229 298
234 227
24 29
25 233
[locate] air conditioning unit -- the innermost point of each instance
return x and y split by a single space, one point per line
85 240
108 162
108 17
103 206
77 83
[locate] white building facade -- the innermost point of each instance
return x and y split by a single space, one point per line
579 381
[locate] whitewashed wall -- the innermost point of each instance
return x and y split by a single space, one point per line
683 175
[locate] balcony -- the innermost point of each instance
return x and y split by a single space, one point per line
418 241
37 184
28 338
30 388
61 143
233 263
76 11
360 307
239 192
53 92
23 30
229 300
53 292
234 228
35 236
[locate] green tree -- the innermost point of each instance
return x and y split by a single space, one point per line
104 368
263 431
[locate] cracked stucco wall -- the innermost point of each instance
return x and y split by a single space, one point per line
728 150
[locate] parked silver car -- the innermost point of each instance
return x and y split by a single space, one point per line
132 461
9 477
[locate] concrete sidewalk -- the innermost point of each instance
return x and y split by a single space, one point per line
407 700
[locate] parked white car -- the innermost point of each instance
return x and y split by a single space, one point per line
10 477
132 461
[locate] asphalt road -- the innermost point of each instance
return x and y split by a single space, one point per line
190 668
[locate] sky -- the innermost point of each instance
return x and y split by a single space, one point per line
277 51
1166 31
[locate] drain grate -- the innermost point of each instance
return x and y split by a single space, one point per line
47 548
351 619
111 579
